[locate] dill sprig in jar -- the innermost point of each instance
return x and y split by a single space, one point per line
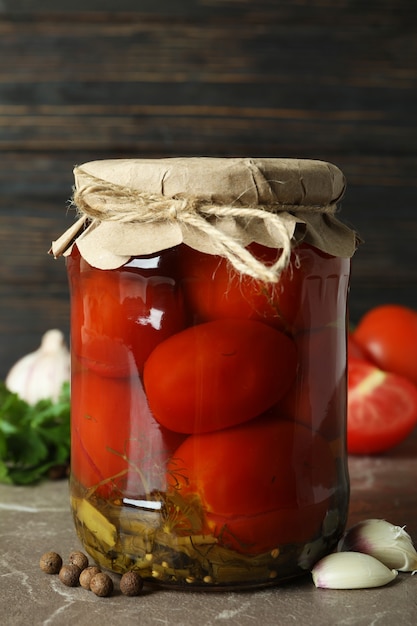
208 376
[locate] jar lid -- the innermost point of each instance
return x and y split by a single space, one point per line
132 207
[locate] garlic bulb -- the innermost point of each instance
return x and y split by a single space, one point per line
351 570
41 374
390 544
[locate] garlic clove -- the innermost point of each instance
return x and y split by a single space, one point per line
390 544
351 570
41 374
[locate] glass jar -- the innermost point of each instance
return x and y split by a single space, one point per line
208 431
208 445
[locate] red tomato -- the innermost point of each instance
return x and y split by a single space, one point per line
388 333
317 397
354 349
218 374
115 439
382 408
214 290
119 316
261 484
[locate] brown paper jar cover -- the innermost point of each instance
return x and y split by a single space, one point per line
132 207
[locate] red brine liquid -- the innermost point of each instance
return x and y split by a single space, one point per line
208 416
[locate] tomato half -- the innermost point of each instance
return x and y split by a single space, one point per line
388 334
119 316
218 374
115 441
261 484
382 408
214 290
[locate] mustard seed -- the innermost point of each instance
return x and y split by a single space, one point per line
78 558
70 575
102 585
131 584
87 574
50 563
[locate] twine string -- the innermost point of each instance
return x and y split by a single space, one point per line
103 201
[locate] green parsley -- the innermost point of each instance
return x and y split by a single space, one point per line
33 438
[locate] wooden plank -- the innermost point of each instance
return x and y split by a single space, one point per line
303 11
27 311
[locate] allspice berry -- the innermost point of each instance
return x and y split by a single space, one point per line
50 563
131 584
70 575
102 585
78 558
87 574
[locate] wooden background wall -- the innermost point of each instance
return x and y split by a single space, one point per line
328 79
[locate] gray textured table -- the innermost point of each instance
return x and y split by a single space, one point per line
36 519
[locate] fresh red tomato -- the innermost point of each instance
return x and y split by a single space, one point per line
114 435
317 397
218 374
261 484
214 290
388 334
354 349
119 316
382 408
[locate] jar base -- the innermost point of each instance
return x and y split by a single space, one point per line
121 539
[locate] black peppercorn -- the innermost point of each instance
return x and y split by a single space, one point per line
50 562
102 585
70 575
131 584
78 558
